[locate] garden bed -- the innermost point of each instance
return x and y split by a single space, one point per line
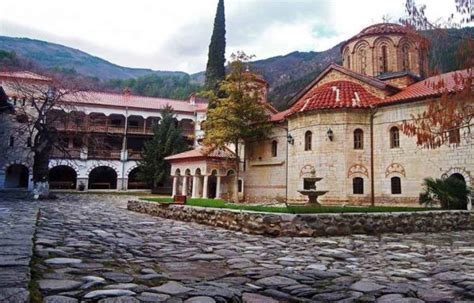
291 209
309 222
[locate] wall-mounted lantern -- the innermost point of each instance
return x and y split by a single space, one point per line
290 139
330 134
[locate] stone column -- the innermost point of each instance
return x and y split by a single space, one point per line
195 187
218 187
205 193
185 186
175 185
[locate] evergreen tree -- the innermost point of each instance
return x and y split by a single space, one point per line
167 140
215 70
240 113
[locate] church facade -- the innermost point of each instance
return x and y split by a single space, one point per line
345 127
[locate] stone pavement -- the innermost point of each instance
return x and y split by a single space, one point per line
17 225
90 248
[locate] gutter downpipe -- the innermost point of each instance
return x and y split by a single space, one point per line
372 182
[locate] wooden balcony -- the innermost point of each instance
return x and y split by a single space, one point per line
104 154
70 153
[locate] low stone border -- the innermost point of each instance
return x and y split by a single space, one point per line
310 225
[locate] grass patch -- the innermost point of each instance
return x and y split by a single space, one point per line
291 209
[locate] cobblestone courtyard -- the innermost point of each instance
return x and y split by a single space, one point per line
90 248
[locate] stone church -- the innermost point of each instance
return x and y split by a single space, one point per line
345 128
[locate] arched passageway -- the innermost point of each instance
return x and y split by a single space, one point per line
16 176
103 177
134 181
62 177
212 185
458 176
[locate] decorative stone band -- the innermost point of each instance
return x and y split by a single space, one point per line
311 225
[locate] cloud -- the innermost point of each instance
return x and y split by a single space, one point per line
175 35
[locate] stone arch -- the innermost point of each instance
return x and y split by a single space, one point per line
197 171
103 164
362 57
19 162
458 170
308 171
103 177
346 57
177 172
230 172
61 163
130 170
384 48
395 169
63 176
357 169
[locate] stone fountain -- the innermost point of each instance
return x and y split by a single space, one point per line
309 189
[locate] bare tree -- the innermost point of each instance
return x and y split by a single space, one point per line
42 107
449 116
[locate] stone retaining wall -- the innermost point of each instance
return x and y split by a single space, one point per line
310 225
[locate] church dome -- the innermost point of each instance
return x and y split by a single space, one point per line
386 49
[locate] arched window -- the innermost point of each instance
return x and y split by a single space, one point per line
358 139
308 137
394 137
396 185
363 61
348 59
274 148
421 62
358 186
383 59
405 57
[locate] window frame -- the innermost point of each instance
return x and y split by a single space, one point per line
394 137
357 186
396 188
274 149
358 137
454 136
308 140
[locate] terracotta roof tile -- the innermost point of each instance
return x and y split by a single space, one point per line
428 87
336 94
132 101
25 75
204 152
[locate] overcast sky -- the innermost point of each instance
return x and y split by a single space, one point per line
175 35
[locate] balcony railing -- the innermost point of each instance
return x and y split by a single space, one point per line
104 154
73 153
102 128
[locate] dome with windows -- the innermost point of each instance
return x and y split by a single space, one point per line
388 51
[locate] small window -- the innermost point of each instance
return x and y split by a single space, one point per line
396 185
11 143
454 136
239 186
358 186
394 137
406 58
308 137
23 101
274 148
28 142
358 139
383 59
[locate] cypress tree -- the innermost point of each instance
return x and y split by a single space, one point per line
215 70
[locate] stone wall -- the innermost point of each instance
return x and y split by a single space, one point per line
310 225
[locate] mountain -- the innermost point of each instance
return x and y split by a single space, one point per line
286 74
55 56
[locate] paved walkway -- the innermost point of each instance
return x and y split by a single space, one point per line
90 248
17 226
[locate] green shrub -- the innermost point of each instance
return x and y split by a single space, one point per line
450 193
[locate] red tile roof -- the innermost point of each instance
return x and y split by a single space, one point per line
24 75
204 152
430 87
372 81
278 117
336 94
131 101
